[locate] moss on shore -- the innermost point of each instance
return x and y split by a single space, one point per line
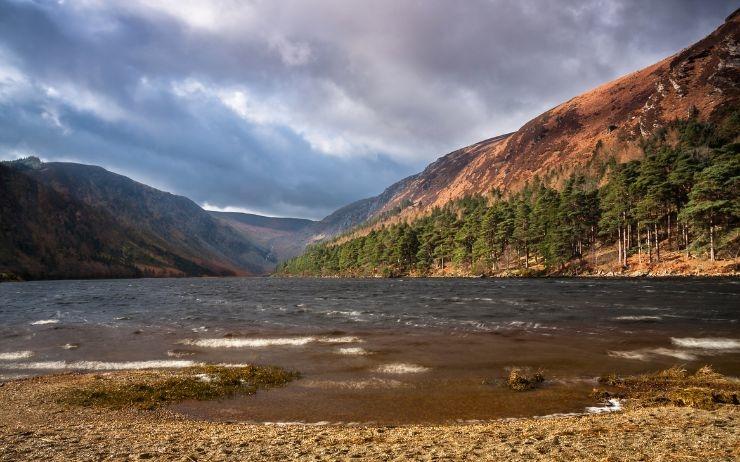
704 389
150 390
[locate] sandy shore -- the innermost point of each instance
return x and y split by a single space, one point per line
34 427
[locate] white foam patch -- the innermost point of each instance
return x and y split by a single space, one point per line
249 342
613 405
15 355
265 342
340 339
100 365
637 355
707 343
637 318
41 322
401 368
678 354
179 354
646 354
70 346
353 351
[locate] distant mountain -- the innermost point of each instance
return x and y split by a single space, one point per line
283 238
189 240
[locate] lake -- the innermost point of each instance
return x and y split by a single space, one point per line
377 350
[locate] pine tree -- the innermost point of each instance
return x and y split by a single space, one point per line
715 199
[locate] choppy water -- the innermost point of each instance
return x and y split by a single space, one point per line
376 350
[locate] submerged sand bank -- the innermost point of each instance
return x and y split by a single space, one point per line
34 427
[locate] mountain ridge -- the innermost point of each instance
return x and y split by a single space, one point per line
48 235
174 236
606 121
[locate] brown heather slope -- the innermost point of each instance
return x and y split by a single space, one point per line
605 122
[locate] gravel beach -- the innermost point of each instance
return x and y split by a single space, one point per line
34 427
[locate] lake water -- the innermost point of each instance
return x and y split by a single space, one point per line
371 350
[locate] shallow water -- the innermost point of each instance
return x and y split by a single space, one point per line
427 350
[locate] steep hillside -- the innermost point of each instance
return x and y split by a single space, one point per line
45 234
178 221
171 222
606 122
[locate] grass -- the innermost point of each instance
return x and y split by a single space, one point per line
705 388
520 381
151 389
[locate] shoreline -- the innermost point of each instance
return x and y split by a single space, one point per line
673 265
33 426
730 275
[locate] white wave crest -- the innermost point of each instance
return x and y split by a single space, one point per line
15 355
353 351
340 339
646 354
249 342
707 343
264 342
401 368
678 354
638 318
41 322
638 355
180 353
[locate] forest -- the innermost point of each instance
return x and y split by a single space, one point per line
683 194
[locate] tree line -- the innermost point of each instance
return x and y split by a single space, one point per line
683 194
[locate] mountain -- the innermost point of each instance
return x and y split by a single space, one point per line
48 235
283 238
638 174
74 205
179 237
605 123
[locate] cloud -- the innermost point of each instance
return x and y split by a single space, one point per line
298 107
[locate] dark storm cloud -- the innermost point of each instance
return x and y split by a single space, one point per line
296 107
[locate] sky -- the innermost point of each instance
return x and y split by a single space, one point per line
298 107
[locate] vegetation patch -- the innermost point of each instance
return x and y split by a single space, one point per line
704 389
520 381
150 390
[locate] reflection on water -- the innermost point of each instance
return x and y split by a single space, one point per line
376 350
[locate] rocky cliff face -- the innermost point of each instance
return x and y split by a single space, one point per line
606 122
